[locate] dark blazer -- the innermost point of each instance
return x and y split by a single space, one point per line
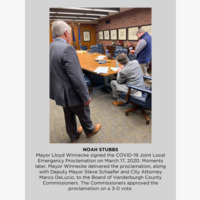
67 84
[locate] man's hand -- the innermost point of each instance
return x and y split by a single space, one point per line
88 102
120 68
132 51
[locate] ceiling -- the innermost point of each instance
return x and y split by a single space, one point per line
83 15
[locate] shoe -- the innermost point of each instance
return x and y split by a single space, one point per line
80 130
118 103
97 127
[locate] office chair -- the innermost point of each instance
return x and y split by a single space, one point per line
84 48
87 80
140 103
132 57
100 48
118 50
125 51
94 48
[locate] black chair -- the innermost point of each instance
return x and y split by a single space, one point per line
87 80
132 57
125 51
84 48
140 103
94 48
100 48
118 50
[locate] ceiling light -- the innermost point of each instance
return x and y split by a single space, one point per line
88 17
65 17
79 8
96 9
96 14
70 13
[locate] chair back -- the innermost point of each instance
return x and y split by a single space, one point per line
132 57
84 48
148 99
100 48
94 48
125 51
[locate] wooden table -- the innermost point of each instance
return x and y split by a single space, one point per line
88 63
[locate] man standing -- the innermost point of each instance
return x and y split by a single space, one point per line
130 73
67 84
143 50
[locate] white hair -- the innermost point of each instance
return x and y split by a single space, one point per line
140 30
59 27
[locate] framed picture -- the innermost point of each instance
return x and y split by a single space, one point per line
147 28
122 34
86 36
132 33
107 35
113 34
100 35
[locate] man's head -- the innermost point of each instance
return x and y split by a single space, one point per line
122 59
62 29
140 32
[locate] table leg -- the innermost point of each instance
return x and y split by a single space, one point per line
106 84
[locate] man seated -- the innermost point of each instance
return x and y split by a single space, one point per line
129 73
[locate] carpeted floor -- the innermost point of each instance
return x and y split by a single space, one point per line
116 126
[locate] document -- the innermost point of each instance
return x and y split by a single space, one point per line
100 58
114 69
103 70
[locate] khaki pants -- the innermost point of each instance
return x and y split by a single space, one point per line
144 68
115 94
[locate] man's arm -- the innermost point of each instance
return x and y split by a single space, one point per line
121 78
140 46
74 72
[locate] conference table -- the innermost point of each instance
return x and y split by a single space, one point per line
89 63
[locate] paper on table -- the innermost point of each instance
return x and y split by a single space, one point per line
100 57
81 51
115 69
100 70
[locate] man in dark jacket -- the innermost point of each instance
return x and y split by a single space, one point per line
67 84
143 50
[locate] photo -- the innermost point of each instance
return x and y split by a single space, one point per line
122 34
100 35
86 36
106 35
113 34
132 33
100 75
147 28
